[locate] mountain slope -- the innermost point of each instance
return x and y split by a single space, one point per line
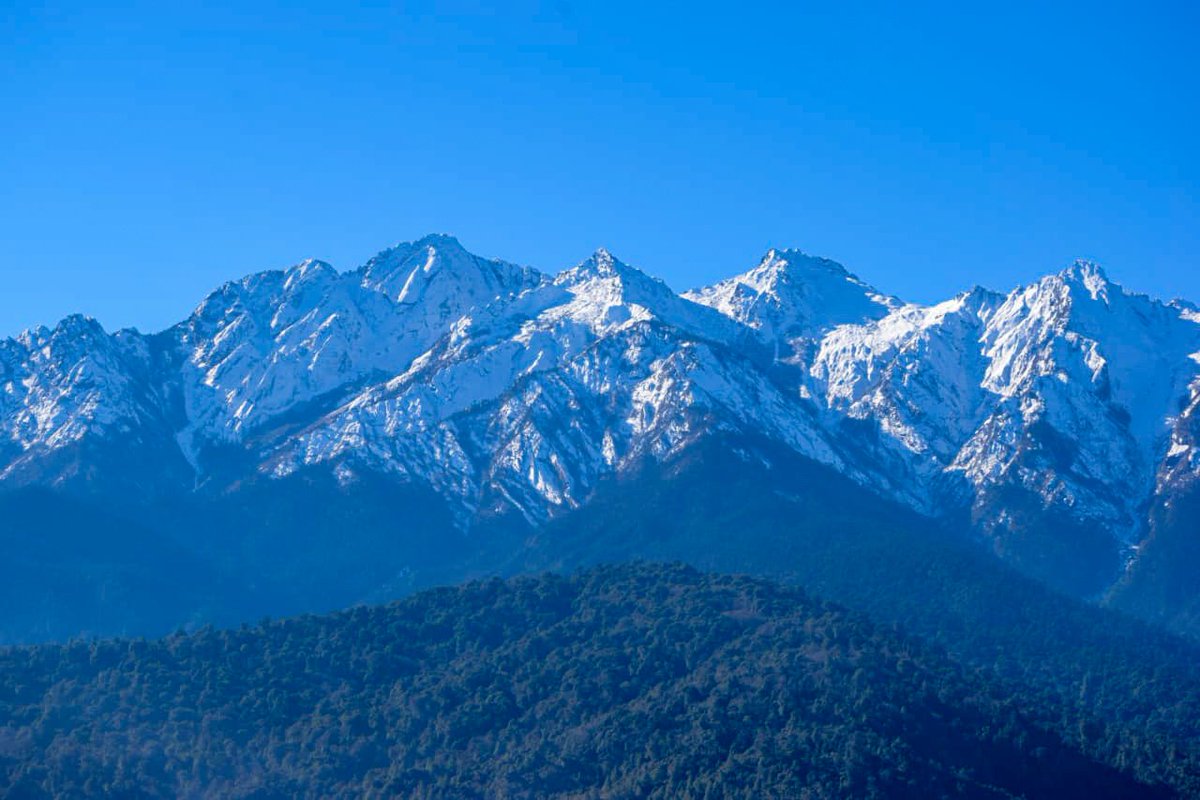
80 407
529 405
627 682
262 347
1163 583
1054 423
1044 414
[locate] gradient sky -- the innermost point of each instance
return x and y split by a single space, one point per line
147 155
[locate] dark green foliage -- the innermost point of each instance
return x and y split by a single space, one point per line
633 681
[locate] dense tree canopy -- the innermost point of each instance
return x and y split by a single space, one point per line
631 681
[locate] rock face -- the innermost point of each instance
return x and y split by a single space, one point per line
1060 420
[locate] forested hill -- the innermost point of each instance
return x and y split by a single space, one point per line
630 681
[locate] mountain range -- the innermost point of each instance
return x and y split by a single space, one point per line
477 403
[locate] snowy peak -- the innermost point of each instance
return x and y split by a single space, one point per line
600 265
603 272
1087 378
607 294
779 268
437 269
260 347
1080 324
308 272
266 293
1090 278
75 330
792 295
62 386
1080 295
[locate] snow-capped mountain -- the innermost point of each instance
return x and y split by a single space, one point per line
794 296
1058 399
1062 409
530 403
260 347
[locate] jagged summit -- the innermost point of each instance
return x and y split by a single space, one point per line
790 294
602 268
1083 269
309 267
72 325
438 264
606 294
784 264
601 264
1088 278
980 294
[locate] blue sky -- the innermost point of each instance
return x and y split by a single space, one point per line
146 154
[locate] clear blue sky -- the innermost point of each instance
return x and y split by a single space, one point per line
146 155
